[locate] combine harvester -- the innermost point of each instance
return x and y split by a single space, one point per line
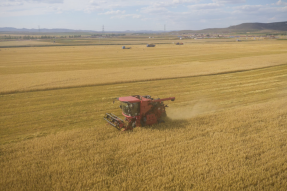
138 112
124 47
179 43
150 45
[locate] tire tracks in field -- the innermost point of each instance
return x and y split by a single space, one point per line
135 81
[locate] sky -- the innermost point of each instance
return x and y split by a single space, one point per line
122 15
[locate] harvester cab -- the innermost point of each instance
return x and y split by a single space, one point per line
138 112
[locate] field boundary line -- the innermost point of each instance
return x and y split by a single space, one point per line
135 81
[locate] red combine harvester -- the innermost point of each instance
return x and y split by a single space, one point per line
138 112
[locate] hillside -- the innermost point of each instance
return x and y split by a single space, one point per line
245 27
279 26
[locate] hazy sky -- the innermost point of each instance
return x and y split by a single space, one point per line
121 15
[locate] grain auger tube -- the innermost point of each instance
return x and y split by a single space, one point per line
138 111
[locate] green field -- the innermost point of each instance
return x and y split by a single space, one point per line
226 129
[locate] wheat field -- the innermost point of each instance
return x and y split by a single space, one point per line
36 68
226 129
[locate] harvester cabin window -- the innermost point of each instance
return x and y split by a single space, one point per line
130 109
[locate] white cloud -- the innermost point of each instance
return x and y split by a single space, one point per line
249 8
259 13
188 14
47 1
162 7
171 3
18 8
20 2
113 12
8 4
134 16
154 10
229 1
184 1
205 6
281 3
118 14
97 3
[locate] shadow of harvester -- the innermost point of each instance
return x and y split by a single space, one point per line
124 47
169 123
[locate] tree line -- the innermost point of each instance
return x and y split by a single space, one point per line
38 37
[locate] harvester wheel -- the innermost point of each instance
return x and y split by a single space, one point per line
143 121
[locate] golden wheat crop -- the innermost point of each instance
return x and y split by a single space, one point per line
24 43
223 132
35 68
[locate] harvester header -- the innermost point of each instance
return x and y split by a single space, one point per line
138 112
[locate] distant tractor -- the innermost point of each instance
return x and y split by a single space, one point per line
138 111
124 47
150 45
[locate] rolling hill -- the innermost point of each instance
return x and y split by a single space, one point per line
278 27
